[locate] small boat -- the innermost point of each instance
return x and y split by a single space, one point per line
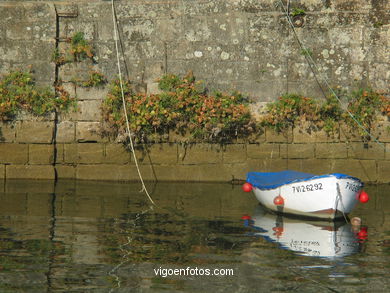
327 196
304 237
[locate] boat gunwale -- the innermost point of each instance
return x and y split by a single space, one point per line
314 177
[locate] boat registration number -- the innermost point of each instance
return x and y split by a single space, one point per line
307 187
353 187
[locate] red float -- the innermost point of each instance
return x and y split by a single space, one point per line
247 187
279 201
278 231
363 197
246 217
362 234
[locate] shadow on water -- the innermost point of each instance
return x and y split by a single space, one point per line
104 237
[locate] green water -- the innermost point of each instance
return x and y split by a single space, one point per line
103 237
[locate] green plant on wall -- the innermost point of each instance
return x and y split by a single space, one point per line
292 109
18 92
306 52
365 105
298 12
60 58
80 48
184 106
95 79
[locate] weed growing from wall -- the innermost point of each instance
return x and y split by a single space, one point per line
80 47
95 79
294 109
183 106
18 92
365 105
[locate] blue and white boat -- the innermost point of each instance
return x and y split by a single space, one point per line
327 196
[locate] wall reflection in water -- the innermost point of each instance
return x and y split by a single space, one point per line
89 236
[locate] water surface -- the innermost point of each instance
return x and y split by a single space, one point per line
84 236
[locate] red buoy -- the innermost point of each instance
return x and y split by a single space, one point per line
278 231
279 201
246 217
363 197
247 187
362 234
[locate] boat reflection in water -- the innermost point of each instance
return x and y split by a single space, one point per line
307 237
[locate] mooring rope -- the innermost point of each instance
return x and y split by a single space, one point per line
311 63
340 199
124 103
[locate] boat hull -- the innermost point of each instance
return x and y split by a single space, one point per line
324 197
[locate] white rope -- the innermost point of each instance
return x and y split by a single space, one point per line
339 199
124 104
312 62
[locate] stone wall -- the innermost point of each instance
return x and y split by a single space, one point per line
244 45
27 151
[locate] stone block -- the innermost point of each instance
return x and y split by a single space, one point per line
175 136
263 151
30 172
91 93
363 169
116 153
41 154
13 153
66 132
234 153
348 134
315 166
70 153
65 171
88 132
59 153
360 150
30 186
200 154
257 137
384 172
382 131
90 153
331 151
297 151
158 153
109 172
89 110
274 136
7 132
2 171
267 165
218 172
323 136
34 131
303 134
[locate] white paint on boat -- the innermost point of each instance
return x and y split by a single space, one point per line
322 197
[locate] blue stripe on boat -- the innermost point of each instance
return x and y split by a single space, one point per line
271 180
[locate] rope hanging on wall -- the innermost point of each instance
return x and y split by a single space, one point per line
312 64
144 189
